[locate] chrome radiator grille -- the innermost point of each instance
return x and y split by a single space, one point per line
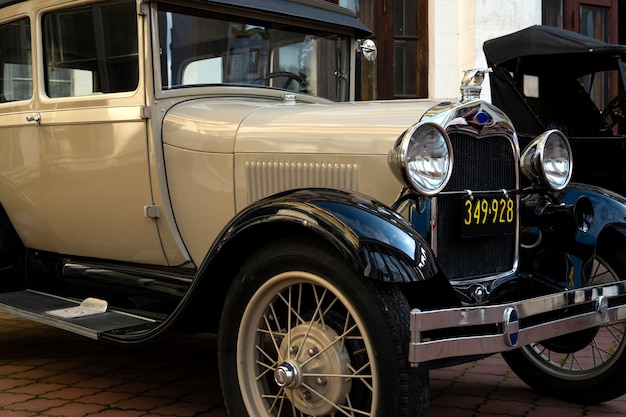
480 164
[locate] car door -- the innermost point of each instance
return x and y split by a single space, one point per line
86 132
19 145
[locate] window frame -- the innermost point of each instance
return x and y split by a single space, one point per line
98 93
29 54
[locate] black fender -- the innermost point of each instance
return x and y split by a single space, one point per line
379 244
374 239
609 214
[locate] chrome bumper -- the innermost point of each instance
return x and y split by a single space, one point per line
514 324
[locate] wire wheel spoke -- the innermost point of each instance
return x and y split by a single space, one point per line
345 409
580 360
306 330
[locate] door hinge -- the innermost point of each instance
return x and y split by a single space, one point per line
146 113
143 7
151 211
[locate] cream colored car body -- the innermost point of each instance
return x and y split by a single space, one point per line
273 146
148 194
80 176
152 178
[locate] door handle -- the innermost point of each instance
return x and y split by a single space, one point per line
34 118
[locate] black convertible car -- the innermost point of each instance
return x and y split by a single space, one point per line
545 77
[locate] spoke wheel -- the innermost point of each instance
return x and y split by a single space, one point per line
613 113
584 367
314 340
304 355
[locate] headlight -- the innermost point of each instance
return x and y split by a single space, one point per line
422 158
547 160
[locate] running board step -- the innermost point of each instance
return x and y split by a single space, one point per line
89 318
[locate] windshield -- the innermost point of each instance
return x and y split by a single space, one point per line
200 48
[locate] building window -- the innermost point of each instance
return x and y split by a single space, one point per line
552 13
596 19
401 32
405 47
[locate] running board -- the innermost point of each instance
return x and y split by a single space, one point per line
68 314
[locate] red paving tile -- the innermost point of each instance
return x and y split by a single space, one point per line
35 388
9 413
183 409
8 399
136 386
66 378
37 405
117 413
106 397
143 403
70 393
46 372
515 408
74 410
10 384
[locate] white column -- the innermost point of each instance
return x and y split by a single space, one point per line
457 30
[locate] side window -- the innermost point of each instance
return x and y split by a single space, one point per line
201 48
16 69
91 49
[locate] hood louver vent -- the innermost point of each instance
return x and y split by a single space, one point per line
266 178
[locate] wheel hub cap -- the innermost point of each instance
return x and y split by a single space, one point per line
286 375
312 374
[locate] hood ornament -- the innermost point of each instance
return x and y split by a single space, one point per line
471 84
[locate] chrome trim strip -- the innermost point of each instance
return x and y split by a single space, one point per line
596 298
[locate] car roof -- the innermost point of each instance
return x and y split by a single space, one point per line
4 3
546 48
323 13
320 11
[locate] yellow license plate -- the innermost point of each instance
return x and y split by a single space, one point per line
487 216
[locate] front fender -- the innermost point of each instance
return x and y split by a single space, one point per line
609 210
609 213
378 242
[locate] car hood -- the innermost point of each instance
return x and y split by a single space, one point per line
227 125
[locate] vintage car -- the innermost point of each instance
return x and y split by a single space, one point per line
545 77
201 165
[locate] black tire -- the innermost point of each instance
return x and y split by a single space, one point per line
336 344
586 367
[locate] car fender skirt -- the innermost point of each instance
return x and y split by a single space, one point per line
376 240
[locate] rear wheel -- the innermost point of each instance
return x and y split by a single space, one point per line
303 335
584 367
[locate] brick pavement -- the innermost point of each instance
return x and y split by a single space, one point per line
48 372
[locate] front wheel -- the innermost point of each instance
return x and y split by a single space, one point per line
303 335
588 366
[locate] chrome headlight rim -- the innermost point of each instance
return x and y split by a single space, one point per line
427 183
536 161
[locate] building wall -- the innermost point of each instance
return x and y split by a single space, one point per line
457 30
